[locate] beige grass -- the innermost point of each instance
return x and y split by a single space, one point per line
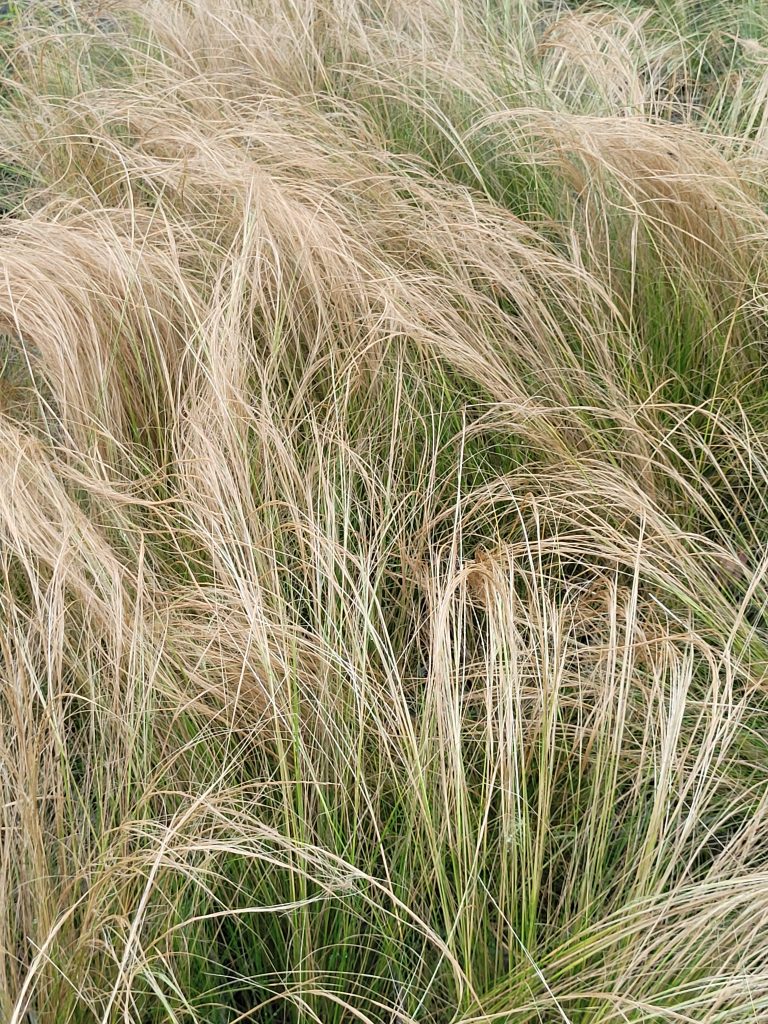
382 515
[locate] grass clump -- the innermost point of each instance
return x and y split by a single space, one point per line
383 473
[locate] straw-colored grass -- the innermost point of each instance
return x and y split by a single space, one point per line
383 512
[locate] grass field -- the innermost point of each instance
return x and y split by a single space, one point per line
384 512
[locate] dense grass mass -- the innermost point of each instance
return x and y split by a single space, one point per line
384 512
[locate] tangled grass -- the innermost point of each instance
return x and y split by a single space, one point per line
383 512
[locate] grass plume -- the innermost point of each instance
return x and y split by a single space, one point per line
383 517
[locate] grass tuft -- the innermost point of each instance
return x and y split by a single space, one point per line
383 518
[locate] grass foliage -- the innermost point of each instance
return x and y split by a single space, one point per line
383 512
